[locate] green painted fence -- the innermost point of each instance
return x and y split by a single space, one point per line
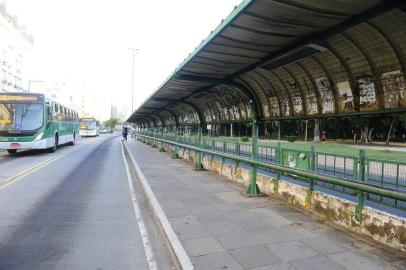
382 181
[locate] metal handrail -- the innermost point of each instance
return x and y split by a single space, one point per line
359 186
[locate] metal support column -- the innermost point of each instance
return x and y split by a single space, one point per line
199 156
175 148
154 141
149 134
361 176
253 189
278 160
162 148
312 167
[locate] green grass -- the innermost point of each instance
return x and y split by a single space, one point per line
333 148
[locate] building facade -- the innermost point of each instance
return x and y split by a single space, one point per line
15 46
76 95
114 111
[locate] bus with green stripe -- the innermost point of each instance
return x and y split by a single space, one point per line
33 121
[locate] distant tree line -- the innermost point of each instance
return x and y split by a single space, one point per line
112 122
384 128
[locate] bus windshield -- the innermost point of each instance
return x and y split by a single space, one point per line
21 117
87 124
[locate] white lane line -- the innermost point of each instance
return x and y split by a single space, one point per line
149 254
179 251
12 179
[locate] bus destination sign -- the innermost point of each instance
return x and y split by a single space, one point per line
20 98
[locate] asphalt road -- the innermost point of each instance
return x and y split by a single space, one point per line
75 211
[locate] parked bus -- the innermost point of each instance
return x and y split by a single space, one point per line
89 127
33 121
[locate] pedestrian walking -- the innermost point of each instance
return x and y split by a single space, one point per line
125 133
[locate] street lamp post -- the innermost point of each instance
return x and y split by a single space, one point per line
132 81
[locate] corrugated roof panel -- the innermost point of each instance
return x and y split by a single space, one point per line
260 32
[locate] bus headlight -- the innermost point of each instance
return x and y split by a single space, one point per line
39 136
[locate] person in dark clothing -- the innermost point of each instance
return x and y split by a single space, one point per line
125 133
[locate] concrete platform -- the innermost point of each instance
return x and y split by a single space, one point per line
222 229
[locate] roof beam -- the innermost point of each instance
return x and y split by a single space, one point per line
190 104
149 108
272 89
173 115
337 29
374 68
229 54
160 118
244 90
259 32
392 43
333 85
279 22
353 83
149 118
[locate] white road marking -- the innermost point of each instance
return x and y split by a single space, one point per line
178 252
149 254
11 180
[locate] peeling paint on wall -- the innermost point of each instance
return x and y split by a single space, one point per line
384 228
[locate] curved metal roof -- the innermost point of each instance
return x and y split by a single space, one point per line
290 59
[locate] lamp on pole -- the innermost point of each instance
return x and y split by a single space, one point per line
132 81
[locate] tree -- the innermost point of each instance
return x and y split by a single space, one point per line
363 124
112 122
316 130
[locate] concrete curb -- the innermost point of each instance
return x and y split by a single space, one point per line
176 248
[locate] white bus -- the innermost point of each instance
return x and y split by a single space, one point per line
89 127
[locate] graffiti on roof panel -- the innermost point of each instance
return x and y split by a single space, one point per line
394 89
326 94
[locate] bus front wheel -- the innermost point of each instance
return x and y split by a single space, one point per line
12 151
53 148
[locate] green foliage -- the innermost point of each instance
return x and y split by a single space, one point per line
245 139
112 122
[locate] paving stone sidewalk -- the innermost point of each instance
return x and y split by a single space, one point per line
222 229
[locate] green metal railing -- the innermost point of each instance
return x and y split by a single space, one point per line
359 176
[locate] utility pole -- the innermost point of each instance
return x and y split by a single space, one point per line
132 79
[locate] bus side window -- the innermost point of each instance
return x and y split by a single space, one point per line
65 114
49 111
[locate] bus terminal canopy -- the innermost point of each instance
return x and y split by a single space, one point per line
289 59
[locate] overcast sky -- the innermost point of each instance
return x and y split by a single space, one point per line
88 40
